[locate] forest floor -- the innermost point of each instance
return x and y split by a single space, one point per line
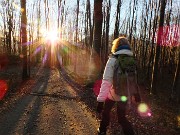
52 103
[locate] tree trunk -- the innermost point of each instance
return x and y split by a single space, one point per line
132 21
39 54
158 47
98 17
175 81
25 74
116 28
107 30
154 26
90 23
10 26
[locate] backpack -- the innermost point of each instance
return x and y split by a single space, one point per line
125 77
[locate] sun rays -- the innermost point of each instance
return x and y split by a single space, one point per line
54 52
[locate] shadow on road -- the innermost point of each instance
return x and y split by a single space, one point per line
86 95
26 111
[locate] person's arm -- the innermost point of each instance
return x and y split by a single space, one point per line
106 84
107 80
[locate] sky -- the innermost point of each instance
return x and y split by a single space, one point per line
71 4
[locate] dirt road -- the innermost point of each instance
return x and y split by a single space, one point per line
47 105
52 104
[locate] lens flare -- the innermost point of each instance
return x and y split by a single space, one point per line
97 86
144 110
65 49
169 35
59 57
149 114
44 58
3 88
38 49
21 56
123 98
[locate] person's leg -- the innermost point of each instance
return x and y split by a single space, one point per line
106 115
126 125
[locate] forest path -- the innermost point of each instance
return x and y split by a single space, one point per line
49 106
51 103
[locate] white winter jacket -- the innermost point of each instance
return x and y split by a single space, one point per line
106 90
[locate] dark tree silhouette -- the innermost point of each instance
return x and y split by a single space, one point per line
25 73
98 18
158 47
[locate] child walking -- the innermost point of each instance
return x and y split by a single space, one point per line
107 97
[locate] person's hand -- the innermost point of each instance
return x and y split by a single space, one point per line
100 107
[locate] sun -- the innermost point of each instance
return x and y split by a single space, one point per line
50 42
50 35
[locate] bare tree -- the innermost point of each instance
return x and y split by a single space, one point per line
88 25
117 21
10 27
77 20
59 14
98 18
175 91
105 37
132 20
158 47
25 74
154 27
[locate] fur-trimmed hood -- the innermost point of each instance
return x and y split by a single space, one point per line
124 51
